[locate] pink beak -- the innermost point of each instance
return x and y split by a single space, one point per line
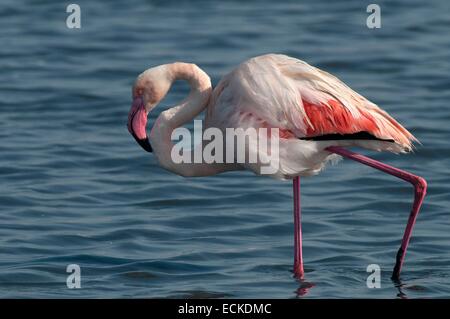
137 121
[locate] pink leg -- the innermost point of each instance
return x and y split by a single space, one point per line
420 189
298 257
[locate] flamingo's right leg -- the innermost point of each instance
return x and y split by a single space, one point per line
420 189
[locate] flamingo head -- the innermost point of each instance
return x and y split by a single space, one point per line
150 88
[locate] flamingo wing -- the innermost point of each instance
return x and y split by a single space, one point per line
312 104
332 108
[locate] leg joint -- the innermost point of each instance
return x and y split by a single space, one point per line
420 184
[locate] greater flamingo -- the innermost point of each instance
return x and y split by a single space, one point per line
316 115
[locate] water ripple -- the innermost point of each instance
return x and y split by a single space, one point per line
76 189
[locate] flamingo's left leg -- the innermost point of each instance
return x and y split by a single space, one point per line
298 257
420 189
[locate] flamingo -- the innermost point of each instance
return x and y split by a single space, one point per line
316 114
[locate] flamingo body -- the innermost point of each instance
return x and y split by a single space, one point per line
305 104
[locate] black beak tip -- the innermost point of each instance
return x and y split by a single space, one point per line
145 143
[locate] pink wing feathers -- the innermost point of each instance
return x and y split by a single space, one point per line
331 107
299 99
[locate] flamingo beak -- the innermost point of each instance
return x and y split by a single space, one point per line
137 121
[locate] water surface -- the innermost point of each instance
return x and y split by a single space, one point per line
76 189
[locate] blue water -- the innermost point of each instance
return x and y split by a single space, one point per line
76 189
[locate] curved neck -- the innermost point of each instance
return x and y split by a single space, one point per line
198 97
186 111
